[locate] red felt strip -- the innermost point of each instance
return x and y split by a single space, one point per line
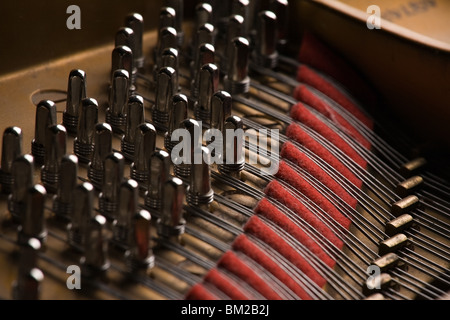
242 243
286 173
315 53
303 94
257 228
312 78
199 292
268 210
290 152
225 284
233 264
275 190
296 133
300 113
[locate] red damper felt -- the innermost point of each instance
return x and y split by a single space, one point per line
235 265
266 209
296 133
306 96
286 173
275 190
199 292
259 229
318 55
312 78
290 152
300 113
242 243
224 284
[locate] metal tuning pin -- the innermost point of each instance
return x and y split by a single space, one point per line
233 164
208 85
206 54
135 116
22 171
171 223
45 117
76 92
221 12
11 150
265 53
203 14
95 261
63 200
140 254
165 90
55 141
122 59
125 37
33 224
281 10
83 144
125 211
159 173
145 144
200 193
235 29
178 5
177 114
30 277
170 59
167 16
241 8
237 81
135 22
167 38
204 34
113 168
221 103
182 158
102 148
116 113
83 207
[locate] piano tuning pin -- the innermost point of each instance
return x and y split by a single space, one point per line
55 141
203 14
125 37
177 114
102 148
171 223
208 85
83 144
205 55
63 200
265 53
22 171
167 38
237 81
159 173
83 206
127 206
178 5
135 116
45 117
113 175
281 10
30 277
76 92
241 8
167 16
221 104
200 193
204 34
95 261
140 254
165 90
33 224
122 59
145 144
11 150
233 164
116 112
135 22
235 29
182 158
170 59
